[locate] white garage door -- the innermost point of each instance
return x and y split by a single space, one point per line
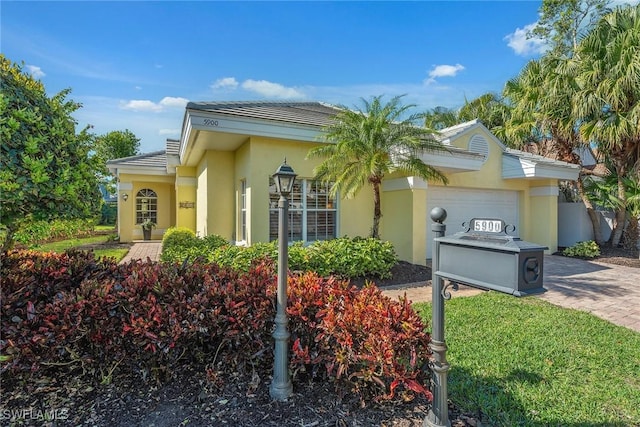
463 204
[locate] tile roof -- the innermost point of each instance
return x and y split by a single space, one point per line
153 159
173 146
453 131
305 113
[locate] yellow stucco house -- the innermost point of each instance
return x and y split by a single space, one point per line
217 180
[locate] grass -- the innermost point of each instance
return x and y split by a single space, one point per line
63 245
525 362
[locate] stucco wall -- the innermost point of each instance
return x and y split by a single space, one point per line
131 184
186 185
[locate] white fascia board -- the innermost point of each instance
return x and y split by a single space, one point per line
453 161
563 173
249 126
184 135
144 170
514 167
173 160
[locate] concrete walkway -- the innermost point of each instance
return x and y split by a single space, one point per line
611 292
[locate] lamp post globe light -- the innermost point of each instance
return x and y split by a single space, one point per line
281 387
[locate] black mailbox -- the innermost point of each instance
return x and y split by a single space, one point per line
486 257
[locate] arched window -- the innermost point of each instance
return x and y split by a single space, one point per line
146 206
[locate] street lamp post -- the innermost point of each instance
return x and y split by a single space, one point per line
281 387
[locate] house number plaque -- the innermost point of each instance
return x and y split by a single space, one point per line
487 225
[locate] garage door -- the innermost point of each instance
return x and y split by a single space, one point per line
463 204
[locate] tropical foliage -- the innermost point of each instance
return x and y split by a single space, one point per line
583 94
45 169
607 72
366 144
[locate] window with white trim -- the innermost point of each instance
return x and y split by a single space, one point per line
312 211
146 206
243 210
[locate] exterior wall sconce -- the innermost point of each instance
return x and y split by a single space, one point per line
125 196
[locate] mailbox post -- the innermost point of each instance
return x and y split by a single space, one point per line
492 260
439 414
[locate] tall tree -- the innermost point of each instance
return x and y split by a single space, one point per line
45 170
607 69
113 145
563 22
365 144
116 145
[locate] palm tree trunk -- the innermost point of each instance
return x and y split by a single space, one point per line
377 212
593 215
621 213
631 233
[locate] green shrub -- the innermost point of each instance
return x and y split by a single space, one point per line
178 243
589 249
214 241
32 233
242 258
71 311
344 257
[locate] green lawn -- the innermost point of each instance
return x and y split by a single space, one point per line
525 362
63 245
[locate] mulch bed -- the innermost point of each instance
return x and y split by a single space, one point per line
190 398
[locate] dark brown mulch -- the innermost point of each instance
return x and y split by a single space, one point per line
619 256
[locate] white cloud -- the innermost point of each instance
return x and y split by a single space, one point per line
443 71
146 105
140 105
169 132
177 102
271 89
36 72
522 45
225 83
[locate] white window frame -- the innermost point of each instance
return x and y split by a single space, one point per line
243 211
297 206
148 197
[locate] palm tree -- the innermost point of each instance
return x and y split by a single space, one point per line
364 145
542 118
440 117
489 108
607 70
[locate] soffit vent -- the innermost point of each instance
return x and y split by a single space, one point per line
479 145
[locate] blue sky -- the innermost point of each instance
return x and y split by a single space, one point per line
134 65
